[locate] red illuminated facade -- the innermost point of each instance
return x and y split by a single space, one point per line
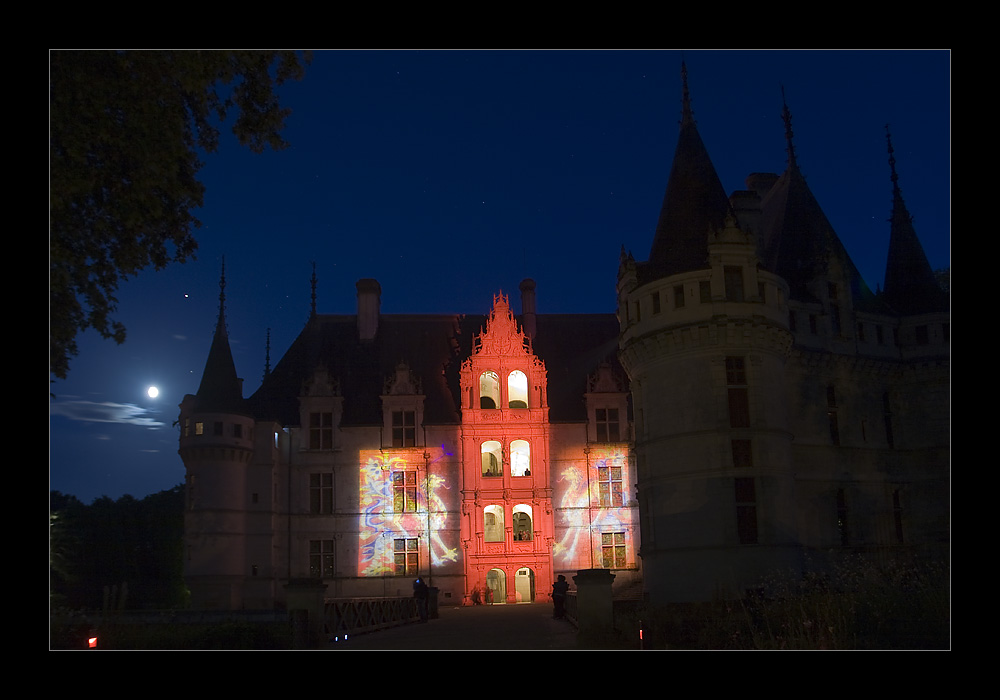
507 524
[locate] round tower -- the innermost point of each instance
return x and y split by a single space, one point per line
216 446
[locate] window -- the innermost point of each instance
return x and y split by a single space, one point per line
922 337
613 550
492 458
321 493
762 292
791 321
835 319
887 415
607 425
321 558
679 296
493 524
609 481
517 389
656 302
217 427
897 515
406 556
739 400
734 282
522 525
831 415
879 338
320 431
845 538
199 428
489 390
705 291
237 430
404 491
404 429
861 332
746 510
742 455
812 324
520 458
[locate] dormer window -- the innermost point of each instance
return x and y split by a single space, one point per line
321 431
607 425
402 409
404 429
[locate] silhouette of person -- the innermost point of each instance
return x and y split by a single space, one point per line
559 589
420 592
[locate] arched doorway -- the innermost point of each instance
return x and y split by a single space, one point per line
496 582
524 585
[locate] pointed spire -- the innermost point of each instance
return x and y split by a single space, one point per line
220 389
312 312
687 114
786 116
267 354
910 285
694 204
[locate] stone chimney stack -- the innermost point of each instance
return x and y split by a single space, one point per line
528 307
369 301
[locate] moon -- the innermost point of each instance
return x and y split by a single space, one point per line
152 392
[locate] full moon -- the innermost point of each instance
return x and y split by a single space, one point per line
153 392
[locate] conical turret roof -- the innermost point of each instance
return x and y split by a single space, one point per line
910 285
220 389
694 204
798 242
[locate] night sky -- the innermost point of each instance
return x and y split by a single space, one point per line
449 176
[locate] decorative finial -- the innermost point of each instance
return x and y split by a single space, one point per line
312 313
267 355
892 161
687 114
786 115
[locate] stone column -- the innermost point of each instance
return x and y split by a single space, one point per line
594 608
305 599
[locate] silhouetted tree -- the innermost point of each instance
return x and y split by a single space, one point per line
125 132
109 543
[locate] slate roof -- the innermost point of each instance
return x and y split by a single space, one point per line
434 347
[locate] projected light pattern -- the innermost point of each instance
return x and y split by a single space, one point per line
593 510
401 513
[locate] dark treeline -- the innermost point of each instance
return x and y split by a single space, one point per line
109 543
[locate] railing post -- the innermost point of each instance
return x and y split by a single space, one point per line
306 594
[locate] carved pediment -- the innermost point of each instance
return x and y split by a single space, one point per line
321 384
403 382
605 381
501 335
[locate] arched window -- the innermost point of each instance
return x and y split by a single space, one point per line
522 523
492 458
493 524
517 389
489 390
520 458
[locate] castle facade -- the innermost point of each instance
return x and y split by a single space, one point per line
751 406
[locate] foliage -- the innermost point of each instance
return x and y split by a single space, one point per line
126 130
112 544
858 604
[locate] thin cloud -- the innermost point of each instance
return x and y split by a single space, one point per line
105 412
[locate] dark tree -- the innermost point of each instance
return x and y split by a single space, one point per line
126 130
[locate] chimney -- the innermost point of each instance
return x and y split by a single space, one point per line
528 307
369 300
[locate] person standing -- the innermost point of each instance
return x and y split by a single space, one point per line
420 592
559 589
